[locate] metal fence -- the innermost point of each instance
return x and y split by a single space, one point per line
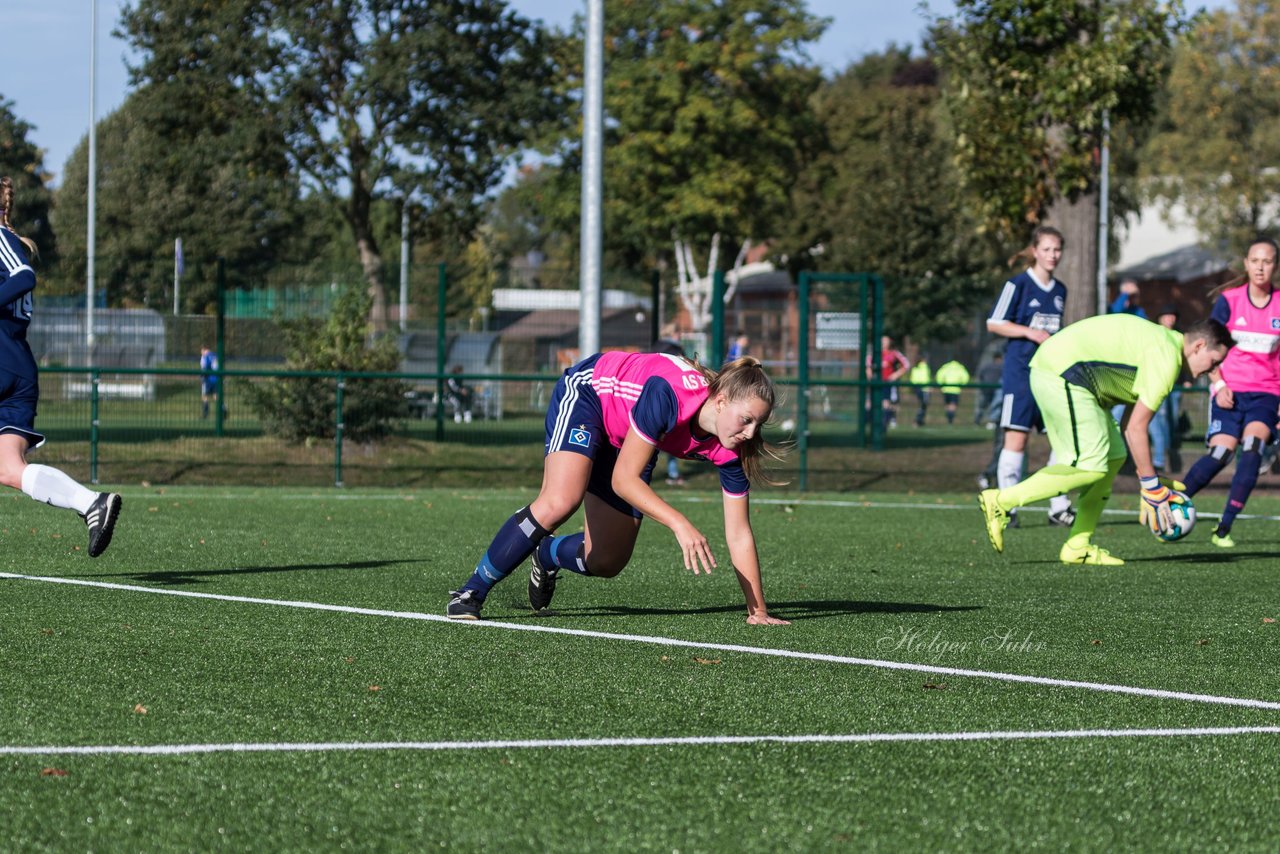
130 409
152 427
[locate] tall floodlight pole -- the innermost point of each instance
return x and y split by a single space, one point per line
1104 219
91 237
404 264
592 240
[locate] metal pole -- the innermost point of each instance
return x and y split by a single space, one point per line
404 264
91 237
655 307
877 332
442 287
592 240
1104 190
95 423
865 396
177 272
802 389
220 333
717 349
339 430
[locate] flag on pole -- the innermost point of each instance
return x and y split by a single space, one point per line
179 265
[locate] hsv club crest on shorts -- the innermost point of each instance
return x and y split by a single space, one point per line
580 437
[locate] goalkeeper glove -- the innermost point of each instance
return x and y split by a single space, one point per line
1154 510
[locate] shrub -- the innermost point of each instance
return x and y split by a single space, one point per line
301 408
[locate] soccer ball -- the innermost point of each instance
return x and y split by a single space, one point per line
1184 519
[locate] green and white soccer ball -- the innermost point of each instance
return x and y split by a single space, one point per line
1184 519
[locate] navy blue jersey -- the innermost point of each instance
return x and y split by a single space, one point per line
1026 302
17 280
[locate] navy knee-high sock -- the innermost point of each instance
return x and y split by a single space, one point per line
565 552
1204 470
511 546
1246 477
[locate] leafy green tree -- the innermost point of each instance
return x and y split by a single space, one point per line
1028 82
884 197
166 172
707 112
375 98
1220 140
304 408
23 162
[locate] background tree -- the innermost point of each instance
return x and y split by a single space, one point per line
1217 148
884 197
374 98
706 105
23 162
304 408
165 170
1027 84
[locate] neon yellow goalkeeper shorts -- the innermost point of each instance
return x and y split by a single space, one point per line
1082 433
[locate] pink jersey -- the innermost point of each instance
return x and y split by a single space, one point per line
659 396
1254 363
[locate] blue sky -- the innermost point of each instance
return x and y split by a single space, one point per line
47 47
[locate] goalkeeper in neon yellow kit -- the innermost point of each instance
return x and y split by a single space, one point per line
1077 375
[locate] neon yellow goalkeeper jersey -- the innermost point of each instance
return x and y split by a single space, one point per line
1120 358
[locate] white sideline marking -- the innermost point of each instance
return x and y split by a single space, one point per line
541 744
903 505
661 641
686 499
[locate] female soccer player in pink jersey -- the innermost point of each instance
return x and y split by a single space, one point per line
1246 388
609 416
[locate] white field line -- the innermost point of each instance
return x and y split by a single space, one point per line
932 669
577 743
686 499
892 505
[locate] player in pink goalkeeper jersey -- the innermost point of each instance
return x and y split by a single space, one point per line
609 417
1246 389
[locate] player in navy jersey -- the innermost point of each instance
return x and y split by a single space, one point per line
1027 312
20 389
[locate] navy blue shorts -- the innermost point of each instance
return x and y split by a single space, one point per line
575 423
1250 406
18 397
1019 410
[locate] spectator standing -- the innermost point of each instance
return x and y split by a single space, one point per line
987 408
671 347
1126 302
208 379
950 377
920 377
738 348
893 367
1164 422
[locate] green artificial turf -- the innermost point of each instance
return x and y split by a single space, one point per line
880 578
